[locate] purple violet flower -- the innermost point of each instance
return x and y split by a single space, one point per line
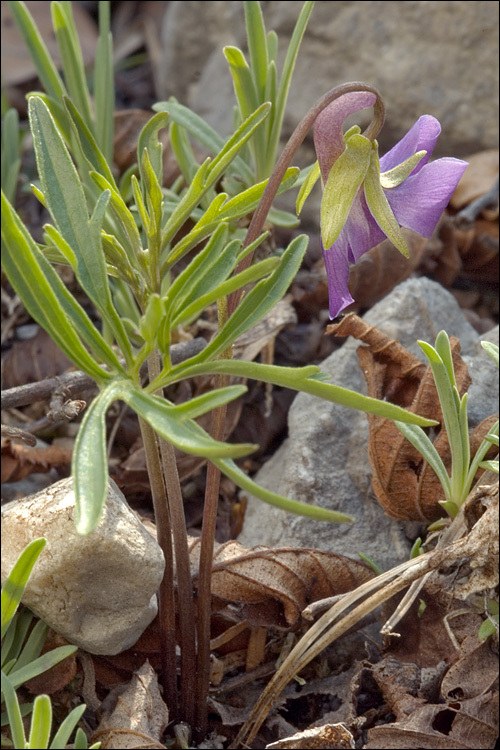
365 200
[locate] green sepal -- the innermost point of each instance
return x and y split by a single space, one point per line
395 176
344 180
379 205
312 177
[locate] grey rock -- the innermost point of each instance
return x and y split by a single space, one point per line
98 591
324 460
483 391
424 57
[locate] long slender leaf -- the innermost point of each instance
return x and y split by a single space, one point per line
63 734
286 76
90 464
418 438
15 583
45 68
47 299
66 201
88 144
192 311
72 59
243 82
257 45
296 378
257 303
104 84
229 468
166 421
11 159
14 713
203 132
41 723
41 665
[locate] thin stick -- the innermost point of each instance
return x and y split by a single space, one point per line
77 381
166 593
177 527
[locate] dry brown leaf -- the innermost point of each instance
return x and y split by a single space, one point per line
477 179
467 725
139 716
327 736
272 586
20 460
33 360
475 673
405 485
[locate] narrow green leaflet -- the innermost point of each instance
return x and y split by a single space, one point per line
63 734
244 86
45 68
13 712
90 463
11 155
41 722
40 665
203 132
491 350
286 78
104 84
93 155
257 45
65 198
15 583
298 379
245 202
72 59
47 300
148 139
417 437
236 141
256 271
272 498
167 421
257 303
312 177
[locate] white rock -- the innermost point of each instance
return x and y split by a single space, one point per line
98 591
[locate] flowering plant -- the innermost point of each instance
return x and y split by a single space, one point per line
366 199
121 238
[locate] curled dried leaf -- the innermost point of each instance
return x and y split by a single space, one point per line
272 586
405 485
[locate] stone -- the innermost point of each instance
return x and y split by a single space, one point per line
324 460
98 591
425 58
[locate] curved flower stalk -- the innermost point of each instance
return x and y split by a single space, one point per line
366 199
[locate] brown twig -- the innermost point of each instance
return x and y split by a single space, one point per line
76 382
